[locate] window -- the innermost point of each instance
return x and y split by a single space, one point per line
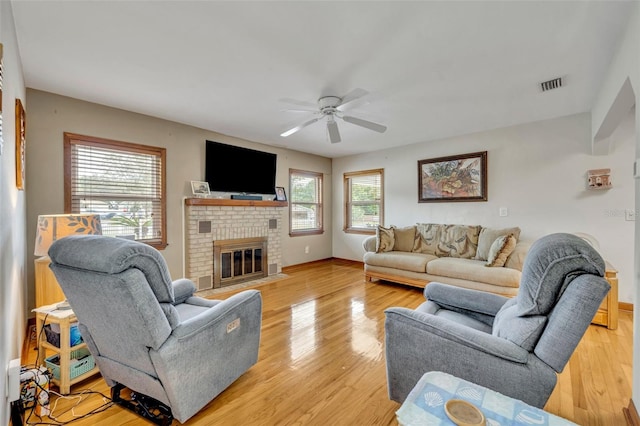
364 201
123 182
305 203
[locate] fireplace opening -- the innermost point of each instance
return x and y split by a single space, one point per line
239 260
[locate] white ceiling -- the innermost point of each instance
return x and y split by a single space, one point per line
435 69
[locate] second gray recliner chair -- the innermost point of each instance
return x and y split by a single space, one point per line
513 346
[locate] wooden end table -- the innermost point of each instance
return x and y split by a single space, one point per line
607 314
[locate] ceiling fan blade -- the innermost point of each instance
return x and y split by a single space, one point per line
311 105
353 99
299 127
364 123
334 133
300 109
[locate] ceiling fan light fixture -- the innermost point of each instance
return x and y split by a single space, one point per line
332 107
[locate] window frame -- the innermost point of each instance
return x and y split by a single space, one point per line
348 226
71 139
319 177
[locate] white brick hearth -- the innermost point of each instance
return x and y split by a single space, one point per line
209 220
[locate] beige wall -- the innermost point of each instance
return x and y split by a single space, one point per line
626 65
538 171
50 115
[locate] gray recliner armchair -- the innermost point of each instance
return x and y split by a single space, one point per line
513 346
151 334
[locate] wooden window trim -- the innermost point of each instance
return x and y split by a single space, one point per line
347 197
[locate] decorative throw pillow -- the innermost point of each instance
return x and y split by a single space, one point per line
384 239
458 241
488 236
404 238
500 250
429 236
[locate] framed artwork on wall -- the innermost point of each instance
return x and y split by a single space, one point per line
454 178
21 140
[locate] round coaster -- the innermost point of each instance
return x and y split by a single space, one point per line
463 413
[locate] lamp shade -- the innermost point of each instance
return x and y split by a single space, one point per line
53 227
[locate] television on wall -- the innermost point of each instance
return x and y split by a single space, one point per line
230 168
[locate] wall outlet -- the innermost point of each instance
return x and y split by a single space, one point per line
503 211
306 249
13 382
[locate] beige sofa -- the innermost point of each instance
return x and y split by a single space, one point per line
475 257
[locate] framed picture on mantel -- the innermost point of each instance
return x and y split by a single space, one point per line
200 189
454 178
280 194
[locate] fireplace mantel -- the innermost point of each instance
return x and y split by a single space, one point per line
232 203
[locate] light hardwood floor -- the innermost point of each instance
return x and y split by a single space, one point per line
321 360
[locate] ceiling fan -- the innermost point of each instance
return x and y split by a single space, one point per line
332 107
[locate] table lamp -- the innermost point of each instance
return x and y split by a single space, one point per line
51 228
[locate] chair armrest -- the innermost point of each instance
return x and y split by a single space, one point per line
212 317
182 290
463 299
421 323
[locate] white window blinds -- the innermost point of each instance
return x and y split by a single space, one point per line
364 200
122 182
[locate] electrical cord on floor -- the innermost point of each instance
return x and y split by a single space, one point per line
56 421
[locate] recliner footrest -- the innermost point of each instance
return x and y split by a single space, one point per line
144 406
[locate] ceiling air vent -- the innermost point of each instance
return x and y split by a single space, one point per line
551 84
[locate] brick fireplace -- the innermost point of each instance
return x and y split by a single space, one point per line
229 241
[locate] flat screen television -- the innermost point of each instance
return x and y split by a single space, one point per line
230 168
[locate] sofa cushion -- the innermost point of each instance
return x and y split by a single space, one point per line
429 238
404 238
473 270
458 241
414 262
384 239
488 236
500 250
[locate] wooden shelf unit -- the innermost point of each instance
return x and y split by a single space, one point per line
50 315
